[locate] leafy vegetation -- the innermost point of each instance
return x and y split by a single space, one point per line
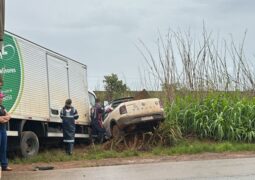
114 87
218 116
209 86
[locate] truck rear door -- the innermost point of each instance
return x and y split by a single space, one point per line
58 83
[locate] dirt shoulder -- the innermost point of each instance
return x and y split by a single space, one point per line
132 160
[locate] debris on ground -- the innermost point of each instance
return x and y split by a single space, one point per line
43 168
135 141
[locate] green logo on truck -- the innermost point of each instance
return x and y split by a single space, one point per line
11 69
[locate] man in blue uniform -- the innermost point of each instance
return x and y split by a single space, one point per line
4 118
69 114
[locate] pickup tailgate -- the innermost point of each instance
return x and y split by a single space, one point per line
144 107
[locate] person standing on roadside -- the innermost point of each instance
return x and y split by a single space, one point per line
4 118
69 114
97 122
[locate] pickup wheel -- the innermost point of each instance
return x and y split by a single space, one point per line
115 131
29 144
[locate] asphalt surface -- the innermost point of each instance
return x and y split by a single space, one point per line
241 168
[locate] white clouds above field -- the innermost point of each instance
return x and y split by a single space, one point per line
103 34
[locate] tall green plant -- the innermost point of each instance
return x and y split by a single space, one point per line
217 116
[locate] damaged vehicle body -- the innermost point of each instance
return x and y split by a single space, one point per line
129 115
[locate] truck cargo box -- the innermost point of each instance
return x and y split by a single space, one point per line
37 81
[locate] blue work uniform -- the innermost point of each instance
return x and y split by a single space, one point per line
3 140
69 115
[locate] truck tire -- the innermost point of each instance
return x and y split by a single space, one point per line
29 144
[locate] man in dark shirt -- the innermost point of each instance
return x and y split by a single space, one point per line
98 131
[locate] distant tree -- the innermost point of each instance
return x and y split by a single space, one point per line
114 87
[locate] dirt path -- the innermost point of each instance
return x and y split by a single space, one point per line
132 160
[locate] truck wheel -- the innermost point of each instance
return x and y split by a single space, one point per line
115 131
29 144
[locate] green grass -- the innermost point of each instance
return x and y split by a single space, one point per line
197 147
90 153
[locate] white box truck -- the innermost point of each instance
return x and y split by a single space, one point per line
37 81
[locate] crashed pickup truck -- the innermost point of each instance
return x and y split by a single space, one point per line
129 115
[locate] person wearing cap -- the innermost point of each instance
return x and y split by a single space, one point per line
4 118
69 114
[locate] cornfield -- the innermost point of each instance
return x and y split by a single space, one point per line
208 83
219 116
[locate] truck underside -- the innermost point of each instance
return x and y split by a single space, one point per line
26 136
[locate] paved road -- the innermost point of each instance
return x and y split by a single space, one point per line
243 168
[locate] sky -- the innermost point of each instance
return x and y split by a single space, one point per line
104 34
